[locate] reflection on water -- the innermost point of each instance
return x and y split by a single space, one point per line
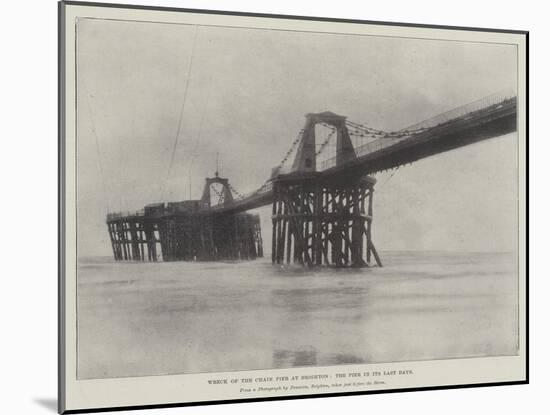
299 358
138 319
290 358
302 300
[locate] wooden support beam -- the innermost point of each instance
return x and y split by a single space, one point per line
276 195
318 223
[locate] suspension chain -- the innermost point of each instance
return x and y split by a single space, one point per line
324 143
292 147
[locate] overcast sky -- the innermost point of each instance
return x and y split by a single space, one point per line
247 94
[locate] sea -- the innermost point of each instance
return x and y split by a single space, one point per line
142 318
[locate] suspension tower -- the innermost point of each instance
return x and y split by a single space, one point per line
319 220
228 235
225 196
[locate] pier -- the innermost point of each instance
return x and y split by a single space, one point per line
186 231
322 209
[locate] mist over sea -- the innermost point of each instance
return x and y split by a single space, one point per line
138 319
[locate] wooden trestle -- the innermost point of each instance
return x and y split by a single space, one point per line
186 237
318 222
133 238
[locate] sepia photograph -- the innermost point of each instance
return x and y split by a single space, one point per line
253 197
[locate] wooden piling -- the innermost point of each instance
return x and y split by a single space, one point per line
317 222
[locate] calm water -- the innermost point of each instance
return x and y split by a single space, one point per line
138 319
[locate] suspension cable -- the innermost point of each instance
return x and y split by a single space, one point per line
190 66
239 194
365 128
98 152
292 147
199 134
324 143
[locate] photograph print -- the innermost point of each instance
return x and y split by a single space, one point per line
253 199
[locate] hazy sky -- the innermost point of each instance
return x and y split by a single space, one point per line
247 94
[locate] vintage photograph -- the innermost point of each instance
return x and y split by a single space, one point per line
258 198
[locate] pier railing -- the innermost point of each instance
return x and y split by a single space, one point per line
485 103
125 214
480 104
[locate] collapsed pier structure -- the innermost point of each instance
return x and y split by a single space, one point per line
186 231
322 210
